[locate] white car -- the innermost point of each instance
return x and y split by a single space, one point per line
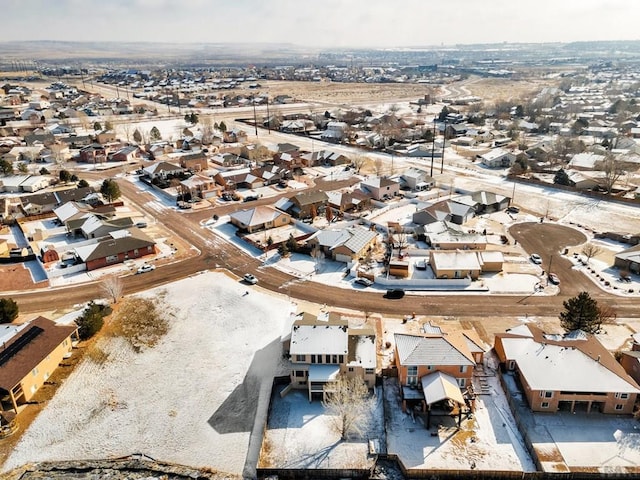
249 278
146 268
535 258
365 282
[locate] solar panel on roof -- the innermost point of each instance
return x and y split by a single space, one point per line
7 353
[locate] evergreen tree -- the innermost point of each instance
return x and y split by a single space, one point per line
64 176
137 136
581 313
8 310
155 134
91 320
561 178
110 190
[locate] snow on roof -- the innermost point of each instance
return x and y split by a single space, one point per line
585 160
362 351
256 216
319 339
439 386
494 154
455 260
576 362
323 373
488 256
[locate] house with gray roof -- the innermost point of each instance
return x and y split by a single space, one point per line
118 246
259 218
343 245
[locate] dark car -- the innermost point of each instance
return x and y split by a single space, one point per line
513 209
553 278
394 293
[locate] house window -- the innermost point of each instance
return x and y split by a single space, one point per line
511 365
313 359
334 358
623 396
327 359
544 405
34 389
463 368
136 252
350 369
369 371
619 406
299 373
65 343
340 358
111 258
34 372
412 375
462 382
546 394
301 358
429 367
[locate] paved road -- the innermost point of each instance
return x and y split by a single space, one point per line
546 239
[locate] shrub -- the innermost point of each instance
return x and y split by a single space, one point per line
8 310
92 319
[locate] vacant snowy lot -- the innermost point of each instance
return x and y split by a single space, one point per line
192 399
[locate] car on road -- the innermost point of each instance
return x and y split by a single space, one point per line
535 258
147 267
249 278
365 282
513 209
394 293
553 278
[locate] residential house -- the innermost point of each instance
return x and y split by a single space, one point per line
323 347
417 180
452 238
23 154
630 359
39 203
585 161
580 181
455 264
335 132
35 183
349 201
235 179
12 183
94 226
195 162
484 202
162 170
106 136
201 186
234 136
130 153
444 210
498 158
308 204
573 372
271 174
227 160
629 259
94 153
118 246
344 245
259 218
381 188
434 367
30 354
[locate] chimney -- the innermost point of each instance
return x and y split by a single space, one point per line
598 359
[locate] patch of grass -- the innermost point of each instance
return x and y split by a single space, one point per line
96 354
141 321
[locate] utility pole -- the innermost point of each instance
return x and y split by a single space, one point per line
444 142
255 119
433 145
268 117
549 271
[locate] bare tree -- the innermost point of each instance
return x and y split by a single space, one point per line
318 257
112 287
613 169
348 401
590 250
126 129
606 313
359 161
378 166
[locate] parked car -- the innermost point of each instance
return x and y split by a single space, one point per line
394 293
249 278
365 282
141 224
513 209
535 258
146 268
553 278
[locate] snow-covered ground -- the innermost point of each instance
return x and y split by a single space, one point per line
488 441
191 400
301 435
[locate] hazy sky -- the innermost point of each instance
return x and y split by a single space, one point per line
324 23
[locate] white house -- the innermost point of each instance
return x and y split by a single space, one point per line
498 158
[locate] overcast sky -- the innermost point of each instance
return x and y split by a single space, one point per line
323 23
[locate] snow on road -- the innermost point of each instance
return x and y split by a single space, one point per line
191 400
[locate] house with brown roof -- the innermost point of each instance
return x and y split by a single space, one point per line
565 372
116 247
200 186
435 367
323 347
30 354
308 204
196 162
